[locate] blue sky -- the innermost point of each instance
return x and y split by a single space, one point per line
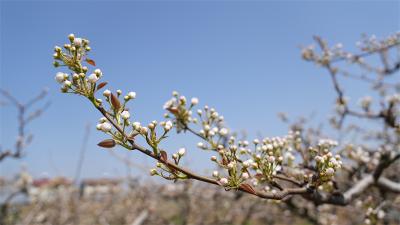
241 57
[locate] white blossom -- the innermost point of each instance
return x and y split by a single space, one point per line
223 181
195 101
168 125
132 95
93 78
271 159
143 130
106 127
98 72
136 125
125 115
169 103
67 83
215 173
71 36
330 171
181 151
223 131
107 93
60 77
381 214
77 41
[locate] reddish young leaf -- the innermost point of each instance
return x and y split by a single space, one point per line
164 155
115 102
91 62
248 188
108 143
101 85
173 110
258 176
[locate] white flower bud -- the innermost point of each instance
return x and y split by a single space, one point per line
319 159
60 77
223 181
214 158
98 72
132 95
71 37
143 130
271 159
245 176
247 163
330 171
125 115
77 41
175 156
136 125
381 214
106 127
98 126
67 83
93 78
107 93
215 173
168 125
181 151
195 101
200 145
182 99
223 131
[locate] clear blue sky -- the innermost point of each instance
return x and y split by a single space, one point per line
241 57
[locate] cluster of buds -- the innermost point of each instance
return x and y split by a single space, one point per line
240 161
210 121
177 156
393 99
268 156
149 132
103 125
79 81
165 171
326 163
180 110
271 157
373 216
212 128
372 43
229 159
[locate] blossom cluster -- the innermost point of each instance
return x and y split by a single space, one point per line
337 52
240 161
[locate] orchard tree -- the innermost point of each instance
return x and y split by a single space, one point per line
358 171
